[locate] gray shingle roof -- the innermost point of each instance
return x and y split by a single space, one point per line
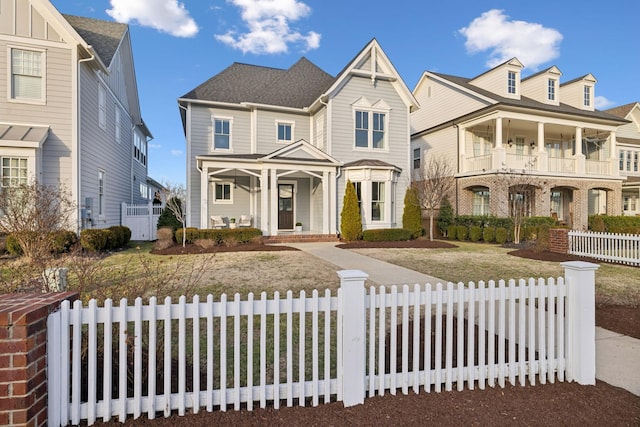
104 36
297 87
527 102
622 110
369 162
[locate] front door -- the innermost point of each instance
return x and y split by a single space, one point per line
285 206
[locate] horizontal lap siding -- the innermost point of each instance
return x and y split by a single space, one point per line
267 131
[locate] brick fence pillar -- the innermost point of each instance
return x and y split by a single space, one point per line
23 356
559 240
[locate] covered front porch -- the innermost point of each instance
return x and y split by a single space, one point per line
289 191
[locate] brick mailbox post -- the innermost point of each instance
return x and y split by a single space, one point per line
23 356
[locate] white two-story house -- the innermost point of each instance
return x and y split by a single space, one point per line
499 128
628 137
69 109
279 145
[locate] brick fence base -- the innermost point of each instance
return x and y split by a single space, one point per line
23 356
559 240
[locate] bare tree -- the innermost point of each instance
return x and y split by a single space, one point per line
519 202
433 182
32 212
175 196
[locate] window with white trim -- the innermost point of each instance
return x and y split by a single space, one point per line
27 75
370 129
551 92
139 148
587 96
377 201
102 107
416 158
101 178
14 171
358 186
222 192
480 202
511 82
221 134
285 132
118 126
144 190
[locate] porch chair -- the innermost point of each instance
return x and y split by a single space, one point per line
245 221
218 222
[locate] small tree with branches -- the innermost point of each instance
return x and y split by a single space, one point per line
32 213
175 196
432 183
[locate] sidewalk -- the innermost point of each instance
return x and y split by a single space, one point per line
617 356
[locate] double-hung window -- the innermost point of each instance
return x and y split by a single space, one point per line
102 108
377 201
27 75
551 93
511 82
370 129
480 202
221 134
139 148
14 171
118 126
285 132
223 192
101 177
416 158
587 96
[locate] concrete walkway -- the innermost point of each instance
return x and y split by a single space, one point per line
617 356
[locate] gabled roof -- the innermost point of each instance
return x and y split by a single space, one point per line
552 70
103 36
297 87
623 110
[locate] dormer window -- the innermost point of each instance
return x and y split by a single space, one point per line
511 82
551 91
587 96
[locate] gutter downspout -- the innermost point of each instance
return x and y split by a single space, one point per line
78 148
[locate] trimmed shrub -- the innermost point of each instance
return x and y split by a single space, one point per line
386 235
542 242
95 239
350 220
501 235
412 215
529 232
489 234
446 216
192 234
452 232
12 245
221 236
615 224
462 232
64 240
475 233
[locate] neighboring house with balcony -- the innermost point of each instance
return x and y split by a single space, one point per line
628 138
279 145
69 109
499 128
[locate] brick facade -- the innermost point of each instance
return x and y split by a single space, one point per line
559 240
23 356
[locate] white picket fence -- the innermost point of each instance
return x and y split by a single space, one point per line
611 247
142 220
116 361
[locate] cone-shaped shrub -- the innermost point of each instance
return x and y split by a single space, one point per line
350 221
412 215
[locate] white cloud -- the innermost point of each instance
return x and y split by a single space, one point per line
176 152
268 27
602 103
530 42
168 16
154 146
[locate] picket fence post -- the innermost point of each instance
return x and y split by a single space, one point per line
580 321
352 283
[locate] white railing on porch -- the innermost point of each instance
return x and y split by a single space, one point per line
221 354
611 247
479 163
561 164
598 167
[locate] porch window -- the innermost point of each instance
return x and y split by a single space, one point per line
621 160
520 203
519 146
285 132
369 129
480 202
511 82
27 75
556 204
635 161
14 171
416 158
221 134
223 192
377 201
551 92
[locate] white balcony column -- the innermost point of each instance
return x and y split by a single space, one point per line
614 168
499 157
273 211
581 165
578 140
264 201
462 142
543 156
499 132
540 137
204 198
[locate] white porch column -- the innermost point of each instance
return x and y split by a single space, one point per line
326 210
499 132
580 158
498 156
204 198
333 221
273 207
543 156
264 201
614 168
540 137
462 132
578 140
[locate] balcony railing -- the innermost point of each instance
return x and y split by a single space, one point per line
597 167
561 164
521 161
479 163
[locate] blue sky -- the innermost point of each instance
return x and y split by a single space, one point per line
179 44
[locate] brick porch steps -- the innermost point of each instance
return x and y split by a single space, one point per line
300 238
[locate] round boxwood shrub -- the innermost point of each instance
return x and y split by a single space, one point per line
462 232
63 241
451 232
489 234
475 233
386 235
501 235
95 239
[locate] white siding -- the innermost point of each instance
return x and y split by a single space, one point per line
267 131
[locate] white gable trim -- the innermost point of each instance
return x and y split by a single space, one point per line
303 146
447 82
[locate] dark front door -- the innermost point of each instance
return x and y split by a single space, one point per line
285 206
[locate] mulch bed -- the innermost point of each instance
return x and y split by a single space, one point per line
418 243
190 249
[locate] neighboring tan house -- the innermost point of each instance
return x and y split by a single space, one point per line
279 145
69 110
628 137
499 129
